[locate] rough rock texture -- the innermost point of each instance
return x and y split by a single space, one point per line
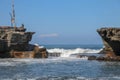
40 52
36 52
100 58
14 43
111 40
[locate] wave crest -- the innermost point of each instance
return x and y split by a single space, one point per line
68 52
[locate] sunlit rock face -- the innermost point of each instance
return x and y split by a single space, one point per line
14 43
111 40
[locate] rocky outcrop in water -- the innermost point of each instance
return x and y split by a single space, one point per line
14 43
111 40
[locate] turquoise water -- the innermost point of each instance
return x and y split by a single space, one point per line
59 68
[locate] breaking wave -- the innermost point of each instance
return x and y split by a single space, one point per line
68 52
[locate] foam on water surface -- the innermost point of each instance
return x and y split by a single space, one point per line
69 52
64 67
14 61
60 68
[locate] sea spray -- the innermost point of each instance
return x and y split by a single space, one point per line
68 52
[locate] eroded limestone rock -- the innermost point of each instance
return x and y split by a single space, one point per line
14 43
111 40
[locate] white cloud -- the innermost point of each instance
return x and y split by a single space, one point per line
49 35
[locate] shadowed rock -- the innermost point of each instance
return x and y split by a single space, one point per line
14 43
111 40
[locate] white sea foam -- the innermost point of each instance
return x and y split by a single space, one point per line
60 52
39 45
17 62
68 52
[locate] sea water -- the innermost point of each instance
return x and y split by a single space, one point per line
61 67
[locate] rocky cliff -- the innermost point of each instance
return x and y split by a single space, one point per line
14 43
111 40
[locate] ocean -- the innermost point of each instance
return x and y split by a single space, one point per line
65 66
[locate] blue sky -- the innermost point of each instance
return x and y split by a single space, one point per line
63 21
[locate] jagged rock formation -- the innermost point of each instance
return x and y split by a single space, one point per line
111 41
14 43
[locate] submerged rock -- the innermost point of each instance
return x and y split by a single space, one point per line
100 58
92 57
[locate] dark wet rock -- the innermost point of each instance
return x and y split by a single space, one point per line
35 53
40 52
92 58
111 40
81 56
102 51
55 54
101 58
14 43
